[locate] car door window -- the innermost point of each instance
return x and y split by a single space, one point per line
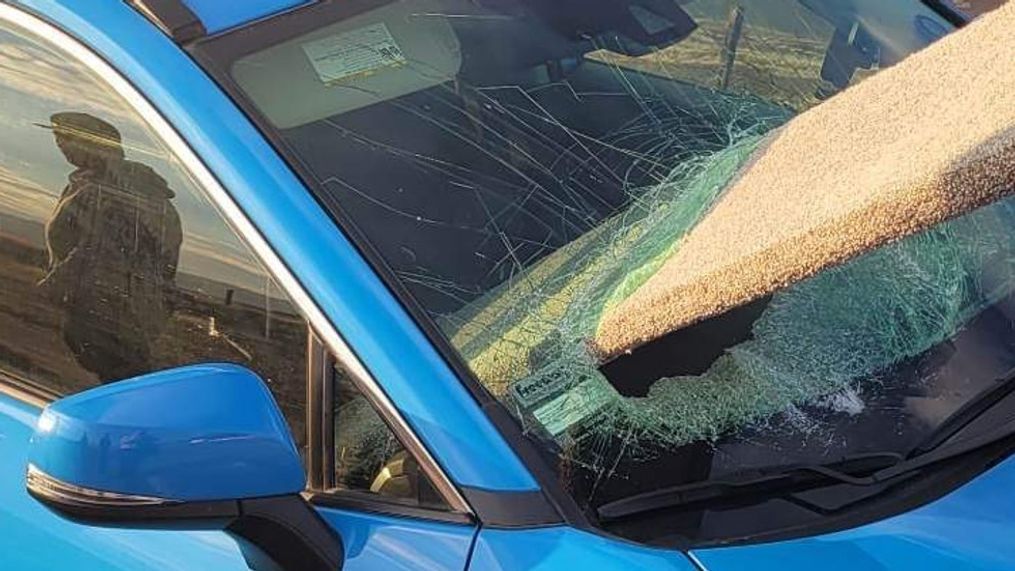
368 458
113 261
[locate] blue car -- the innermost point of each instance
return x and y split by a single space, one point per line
309 284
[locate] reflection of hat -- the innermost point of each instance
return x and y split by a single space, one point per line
83 126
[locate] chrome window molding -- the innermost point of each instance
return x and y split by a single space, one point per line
325 330
24 390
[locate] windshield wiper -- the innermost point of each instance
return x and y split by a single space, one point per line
853 470
792 479
983 401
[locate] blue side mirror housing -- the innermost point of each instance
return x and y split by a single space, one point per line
201 445
196 433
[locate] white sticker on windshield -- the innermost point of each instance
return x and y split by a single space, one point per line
358 52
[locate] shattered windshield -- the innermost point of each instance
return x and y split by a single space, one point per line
525 167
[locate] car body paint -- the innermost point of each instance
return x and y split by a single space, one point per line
970 528
218 16
167 444
553 548
35 538
392 346
376 541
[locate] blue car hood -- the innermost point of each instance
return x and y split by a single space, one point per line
971 528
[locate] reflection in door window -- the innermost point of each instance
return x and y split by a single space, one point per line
113 263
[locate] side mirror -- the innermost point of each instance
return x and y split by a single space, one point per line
202 445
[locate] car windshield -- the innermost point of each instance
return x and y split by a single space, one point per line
522 167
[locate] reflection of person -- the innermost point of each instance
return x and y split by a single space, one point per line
114 243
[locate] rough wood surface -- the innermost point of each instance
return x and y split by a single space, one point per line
915 145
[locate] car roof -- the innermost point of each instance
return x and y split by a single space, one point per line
220 15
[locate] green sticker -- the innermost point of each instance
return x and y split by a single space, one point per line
573 406
533 390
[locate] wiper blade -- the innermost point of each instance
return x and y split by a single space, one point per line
797 478
852 470
968 412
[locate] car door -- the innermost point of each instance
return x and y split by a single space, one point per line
120 255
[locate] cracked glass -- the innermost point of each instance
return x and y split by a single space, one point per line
524 167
